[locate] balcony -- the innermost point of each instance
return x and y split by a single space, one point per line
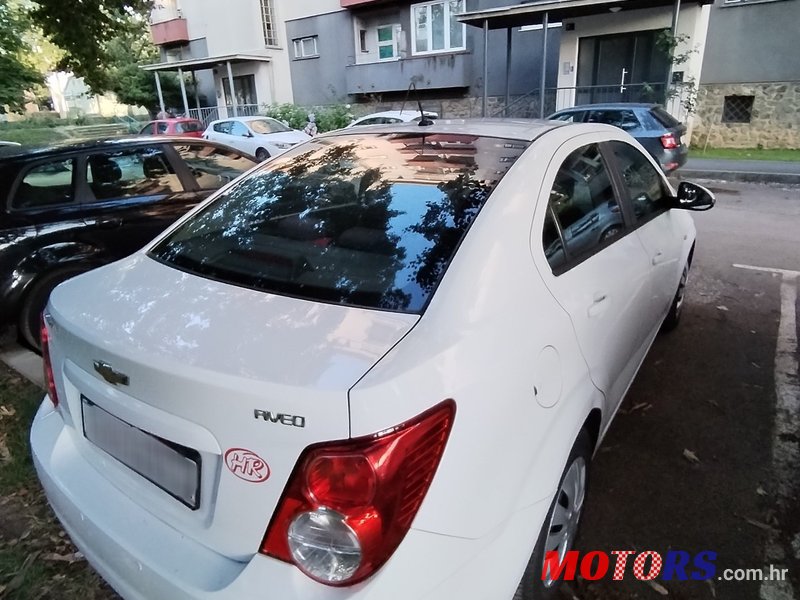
170 32
431 72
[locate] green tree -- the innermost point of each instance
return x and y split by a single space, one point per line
126 52
17 74
83 29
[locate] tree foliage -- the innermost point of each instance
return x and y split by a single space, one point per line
129 49
83 29
17 74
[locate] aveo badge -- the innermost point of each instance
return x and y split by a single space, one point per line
247 465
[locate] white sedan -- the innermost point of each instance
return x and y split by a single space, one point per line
376 367
261 137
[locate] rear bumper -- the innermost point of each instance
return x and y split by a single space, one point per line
673 158
143 558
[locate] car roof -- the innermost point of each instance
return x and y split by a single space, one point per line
55 148
516 129
608 106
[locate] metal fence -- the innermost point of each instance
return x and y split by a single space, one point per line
212 113
206 115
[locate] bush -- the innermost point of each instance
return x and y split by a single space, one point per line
35 121
328 118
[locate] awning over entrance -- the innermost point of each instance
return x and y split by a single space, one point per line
208 62
201 64
532 13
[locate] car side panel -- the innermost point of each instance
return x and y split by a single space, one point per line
481 342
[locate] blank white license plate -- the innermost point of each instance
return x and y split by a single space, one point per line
172 467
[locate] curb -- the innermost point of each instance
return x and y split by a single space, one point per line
739 176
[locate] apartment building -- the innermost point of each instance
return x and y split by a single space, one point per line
235 50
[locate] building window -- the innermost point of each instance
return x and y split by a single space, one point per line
362 40
435 27
244 87
387 46
306 47
268 21
737 109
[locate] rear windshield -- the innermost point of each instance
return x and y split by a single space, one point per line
360 220
187 126
663 117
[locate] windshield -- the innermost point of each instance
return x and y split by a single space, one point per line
267 126
368 221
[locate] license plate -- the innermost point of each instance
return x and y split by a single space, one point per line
170 466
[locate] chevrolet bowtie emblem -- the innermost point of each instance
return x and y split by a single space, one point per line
110 374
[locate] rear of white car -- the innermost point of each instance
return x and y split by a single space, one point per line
343 377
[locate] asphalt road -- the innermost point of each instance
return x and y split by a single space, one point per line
708 390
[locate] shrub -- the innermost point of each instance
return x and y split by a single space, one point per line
327 117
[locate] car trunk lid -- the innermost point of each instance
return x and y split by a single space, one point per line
210 381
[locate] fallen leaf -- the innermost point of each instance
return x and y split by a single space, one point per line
5 453
690 456
761 491
644 405
70 558
760 524
7 412
658 587
722 307
710 583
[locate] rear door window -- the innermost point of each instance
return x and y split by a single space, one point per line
585 208
359 220
46 185
624 119
643 184
162 127
142 171
223 127
213 167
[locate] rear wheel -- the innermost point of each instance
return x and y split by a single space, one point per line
674 315
35 301
561 524
261 155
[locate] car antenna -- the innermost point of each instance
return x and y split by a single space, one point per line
424 121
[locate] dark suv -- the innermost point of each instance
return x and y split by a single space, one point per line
71 207
653 127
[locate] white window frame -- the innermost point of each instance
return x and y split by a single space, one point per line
447 47
393 27
268 23
300 49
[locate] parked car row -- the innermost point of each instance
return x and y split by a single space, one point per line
286 391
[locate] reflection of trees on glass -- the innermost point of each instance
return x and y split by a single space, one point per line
351 220
446 221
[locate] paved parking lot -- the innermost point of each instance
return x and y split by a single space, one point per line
693 461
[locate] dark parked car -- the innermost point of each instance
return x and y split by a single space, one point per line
71 207
653 127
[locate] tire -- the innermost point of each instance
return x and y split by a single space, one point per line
551 536
261 155
36 299
673 317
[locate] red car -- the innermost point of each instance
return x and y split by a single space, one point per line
177 126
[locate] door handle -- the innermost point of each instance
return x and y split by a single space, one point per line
109 223
658 257
598 304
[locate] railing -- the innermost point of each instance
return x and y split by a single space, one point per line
244 110
529 105
206 115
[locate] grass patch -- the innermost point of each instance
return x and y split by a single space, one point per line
37 560
746 154
32 137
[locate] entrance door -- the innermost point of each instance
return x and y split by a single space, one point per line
625 67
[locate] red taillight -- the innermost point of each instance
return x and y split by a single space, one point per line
48 365
357 498
669 141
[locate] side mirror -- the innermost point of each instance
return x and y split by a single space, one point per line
247 134
694 197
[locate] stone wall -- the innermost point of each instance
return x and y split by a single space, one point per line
775 121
